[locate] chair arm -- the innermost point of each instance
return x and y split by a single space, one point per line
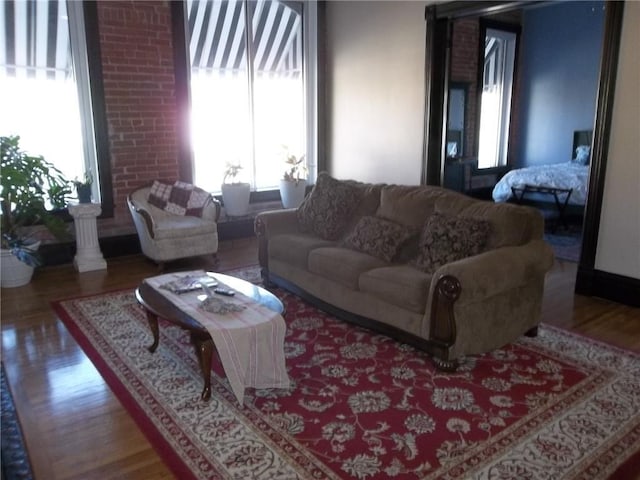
499 270
142 212
212 209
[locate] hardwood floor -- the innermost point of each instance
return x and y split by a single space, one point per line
75 427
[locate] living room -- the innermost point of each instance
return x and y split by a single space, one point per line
373 122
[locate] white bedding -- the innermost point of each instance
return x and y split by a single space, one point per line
557 175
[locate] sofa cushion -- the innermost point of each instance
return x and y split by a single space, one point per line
412 205
511 225
378 237
178 226
328 208
401 285
294 248
341 264
447 238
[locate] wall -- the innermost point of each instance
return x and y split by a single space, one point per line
375 68
559 66
137 64
619 237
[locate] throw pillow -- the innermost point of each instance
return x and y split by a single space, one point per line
186 199
327 209
447 238
159 194
582 154
378 237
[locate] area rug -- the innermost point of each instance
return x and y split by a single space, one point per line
566 242
14 458
362 406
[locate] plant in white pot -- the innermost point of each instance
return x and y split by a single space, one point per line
293 185
32 190
235 194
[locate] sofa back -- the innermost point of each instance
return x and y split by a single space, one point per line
413 205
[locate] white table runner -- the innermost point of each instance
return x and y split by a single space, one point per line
250 342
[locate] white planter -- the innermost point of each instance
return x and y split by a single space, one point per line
14 272
236 198
292 193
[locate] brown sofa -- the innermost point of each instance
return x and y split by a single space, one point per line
447 273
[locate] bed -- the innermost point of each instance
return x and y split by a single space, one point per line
570 178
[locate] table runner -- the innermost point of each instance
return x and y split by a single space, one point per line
250 342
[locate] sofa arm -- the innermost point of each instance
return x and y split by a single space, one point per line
276 222
267 225
499 270
471 281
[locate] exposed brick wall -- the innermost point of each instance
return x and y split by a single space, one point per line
139 85
464 68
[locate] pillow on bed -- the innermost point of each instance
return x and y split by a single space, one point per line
582 155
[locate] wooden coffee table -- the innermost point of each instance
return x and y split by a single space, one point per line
158 306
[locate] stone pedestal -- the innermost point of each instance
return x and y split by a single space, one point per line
88 255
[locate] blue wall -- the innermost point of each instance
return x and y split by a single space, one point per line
559 66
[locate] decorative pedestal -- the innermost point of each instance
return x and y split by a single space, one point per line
88 255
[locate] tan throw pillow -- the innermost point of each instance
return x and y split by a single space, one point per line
378 237
327 209
446 239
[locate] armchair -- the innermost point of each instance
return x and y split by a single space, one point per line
172 233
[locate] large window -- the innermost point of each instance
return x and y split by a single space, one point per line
44 84
252 84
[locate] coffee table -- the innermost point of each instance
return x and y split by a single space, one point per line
157 306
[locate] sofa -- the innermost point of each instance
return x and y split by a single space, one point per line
450 274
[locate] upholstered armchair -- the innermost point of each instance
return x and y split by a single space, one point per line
174 221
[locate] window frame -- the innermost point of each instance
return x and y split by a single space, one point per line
179 22
93 122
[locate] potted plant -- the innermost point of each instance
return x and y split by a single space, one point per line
235 194
293 184
32 189
83 188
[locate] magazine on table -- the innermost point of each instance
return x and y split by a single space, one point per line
189 283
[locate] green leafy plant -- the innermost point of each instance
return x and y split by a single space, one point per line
87 180
32 189
231 171
296 169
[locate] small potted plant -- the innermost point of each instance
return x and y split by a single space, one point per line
235 194
32 190
293 184
83 188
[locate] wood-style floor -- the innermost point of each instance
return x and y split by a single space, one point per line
74 426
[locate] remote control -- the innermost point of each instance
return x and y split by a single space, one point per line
224 291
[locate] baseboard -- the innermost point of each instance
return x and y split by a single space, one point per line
121 245
610 286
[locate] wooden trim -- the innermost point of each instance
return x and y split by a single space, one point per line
183 100
436 76
98 108
602 132
610 286
443 323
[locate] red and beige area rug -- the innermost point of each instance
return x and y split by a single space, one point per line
363 406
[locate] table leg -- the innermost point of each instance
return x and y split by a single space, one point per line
204 352
152 319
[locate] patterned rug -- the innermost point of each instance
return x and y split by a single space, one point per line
363 406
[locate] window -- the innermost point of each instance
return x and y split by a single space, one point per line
44 84
252 89
497 87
